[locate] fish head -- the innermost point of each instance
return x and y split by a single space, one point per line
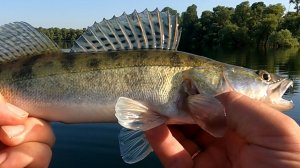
261 85
256 84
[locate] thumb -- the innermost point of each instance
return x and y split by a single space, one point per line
10 114
255 121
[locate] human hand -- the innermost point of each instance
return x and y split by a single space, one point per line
24 141
257 136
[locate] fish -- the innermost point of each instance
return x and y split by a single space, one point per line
126 70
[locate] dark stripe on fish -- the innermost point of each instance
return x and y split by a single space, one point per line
93 63
114 55
25 70
61 63
68 61
175 59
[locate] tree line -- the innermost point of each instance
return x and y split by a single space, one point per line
297 5
61 36
245 25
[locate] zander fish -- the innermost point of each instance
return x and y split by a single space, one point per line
127 70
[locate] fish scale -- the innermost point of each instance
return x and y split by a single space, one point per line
26 79
126 70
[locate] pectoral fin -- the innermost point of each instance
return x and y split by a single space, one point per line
208 113
135 115
134 146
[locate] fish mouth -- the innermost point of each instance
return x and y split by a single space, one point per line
276 91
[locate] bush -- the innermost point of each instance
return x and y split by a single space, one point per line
282 38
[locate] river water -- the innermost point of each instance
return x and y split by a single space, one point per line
96 145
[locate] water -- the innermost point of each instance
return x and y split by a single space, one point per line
91 145
96 145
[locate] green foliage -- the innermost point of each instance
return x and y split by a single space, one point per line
211 23
172 11
282 38
277 10
233 35
189 22
242 14
63 37
291 21
297 5
264 28
227 34
222 15
245 25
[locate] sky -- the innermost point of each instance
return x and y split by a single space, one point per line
83 13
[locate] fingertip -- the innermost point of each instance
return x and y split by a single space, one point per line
17 112
33 130
11 115
30 155
13 130
42 156
41 131
157 134
167 148
3 157
2 98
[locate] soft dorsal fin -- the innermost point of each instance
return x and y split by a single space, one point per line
21 39
145 30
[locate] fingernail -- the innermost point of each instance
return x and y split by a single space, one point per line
17 111
13 131
3 157
1 98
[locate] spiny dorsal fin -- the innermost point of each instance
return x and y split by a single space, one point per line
145 30
21 39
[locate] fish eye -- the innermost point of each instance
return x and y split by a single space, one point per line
264 75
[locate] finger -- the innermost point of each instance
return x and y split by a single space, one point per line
33 130
196 134
30 155
10 114
192 137
167 148
186 139
204 140
257 122
189 131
